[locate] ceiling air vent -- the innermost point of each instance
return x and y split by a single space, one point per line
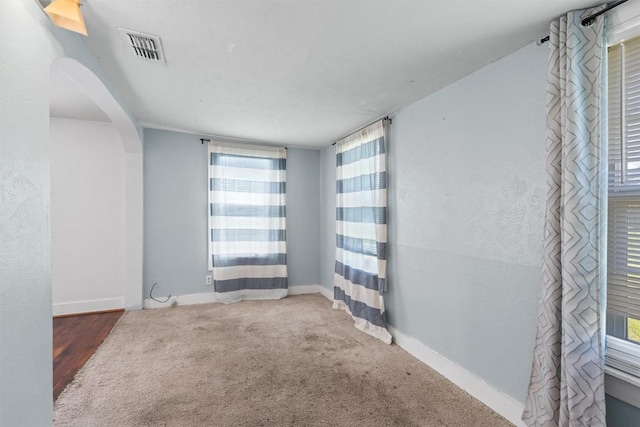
144 46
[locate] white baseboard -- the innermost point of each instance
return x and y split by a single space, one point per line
209 297
311 289
187 299
77 307
327 293
303 289
500 402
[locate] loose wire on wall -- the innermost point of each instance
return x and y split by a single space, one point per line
157 300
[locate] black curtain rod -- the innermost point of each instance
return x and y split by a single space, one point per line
202 140
590 19
358 130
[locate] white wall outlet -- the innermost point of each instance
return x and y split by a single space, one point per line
208 280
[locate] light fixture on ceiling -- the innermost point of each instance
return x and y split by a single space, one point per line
66 14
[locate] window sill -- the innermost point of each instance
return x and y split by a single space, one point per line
622 386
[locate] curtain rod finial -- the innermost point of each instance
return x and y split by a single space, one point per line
542 41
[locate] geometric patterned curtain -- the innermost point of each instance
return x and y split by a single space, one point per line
567 378
361 229
247 221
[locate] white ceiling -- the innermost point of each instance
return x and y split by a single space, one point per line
302 72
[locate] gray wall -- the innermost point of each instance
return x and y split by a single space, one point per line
466 209
175 214
25 248
466 198
303 216
328 221
621 414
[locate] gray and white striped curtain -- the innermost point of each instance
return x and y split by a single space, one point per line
361 229
247 221
567 378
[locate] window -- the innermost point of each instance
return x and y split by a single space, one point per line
247 221
623 266
361 228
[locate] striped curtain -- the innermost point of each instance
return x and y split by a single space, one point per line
361 229
247 228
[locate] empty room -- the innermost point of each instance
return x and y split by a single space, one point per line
317 212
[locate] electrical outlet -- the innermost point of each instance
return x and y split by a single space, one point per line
208 280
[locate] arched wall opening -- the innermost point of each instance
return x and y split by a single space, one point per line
96 192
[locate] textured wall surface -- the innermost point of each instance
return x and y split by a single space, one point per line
87 213
303 216
466 199
175 214
466 187
466 208
25 276
463 295
328 220
621 414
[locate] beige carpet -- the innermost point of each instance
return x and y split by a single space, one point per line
291 362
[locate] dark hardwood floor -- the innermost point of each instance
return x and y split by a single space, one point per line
75 339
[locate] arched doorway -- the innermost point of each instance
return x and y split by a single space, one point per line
96 180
